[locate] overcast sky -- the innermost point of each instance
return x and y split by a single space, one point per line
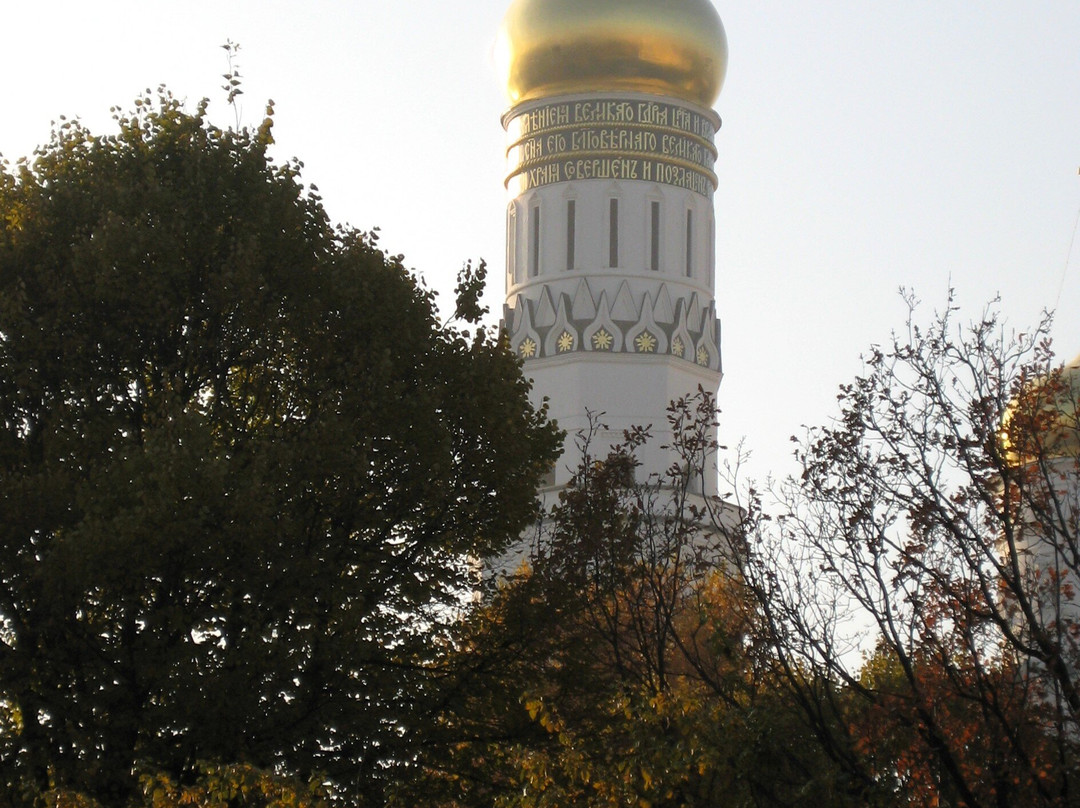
865 147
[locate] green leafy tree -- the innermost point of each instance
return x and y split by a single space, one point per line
242 468
235 785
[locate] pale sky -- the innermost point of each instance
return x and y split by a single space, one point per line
866 146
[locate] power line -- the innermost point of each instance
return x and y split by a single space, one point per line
1068 258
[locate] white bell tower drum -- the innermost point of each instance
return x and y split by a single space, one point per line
610 265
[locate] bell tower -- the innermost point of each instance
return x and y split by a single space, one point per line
610 276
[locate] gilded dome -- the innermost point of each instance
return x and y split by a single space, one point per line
667 47
1043 421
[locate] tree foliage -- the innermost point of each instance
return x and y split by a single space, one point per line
624 662
242 467
938 514
662 650
245 472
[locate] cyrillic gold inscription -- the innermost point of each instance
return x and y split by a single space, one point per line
653 141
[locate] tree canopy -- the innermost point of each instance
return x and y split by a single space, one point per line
939 515
246 472
660 651
625 664
243 467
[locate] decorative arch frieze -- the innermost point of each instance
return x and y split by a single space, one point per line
554 324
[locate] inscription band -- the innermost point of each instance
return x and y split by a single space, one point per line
588 166
613 140
571 113
619 139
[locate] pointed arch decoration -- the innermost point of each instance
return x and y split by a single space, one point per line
647 336
623 308
663 311
583 307
524 339
545 309
603 334
682 343
562 337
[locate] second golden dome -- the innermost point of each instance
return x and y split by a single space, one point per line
1043 421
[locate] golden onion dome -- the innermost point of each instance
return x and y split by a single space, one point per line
1043 421
668 47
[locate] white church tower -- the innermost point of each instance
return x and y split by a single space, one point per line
610 276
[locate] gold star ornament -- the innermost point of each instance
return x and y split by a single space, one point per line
602 340
645 342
